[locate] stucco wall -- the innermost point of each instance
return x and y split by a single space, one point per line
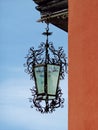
83 65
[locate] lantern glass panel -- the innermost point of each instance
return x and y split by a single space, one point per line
39 79
52 79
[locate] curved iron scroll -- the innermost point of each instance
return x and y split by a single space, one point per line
51 105
36 57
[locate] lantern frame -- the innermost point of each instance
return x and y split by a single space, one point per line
46 85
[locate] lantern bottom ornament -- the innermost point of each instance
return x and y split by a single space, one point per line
46 105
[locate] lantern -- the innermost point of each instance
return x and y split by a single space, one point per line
46 67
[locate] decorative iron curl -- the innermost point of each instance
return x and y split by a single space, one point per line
36 57
59 58
50 106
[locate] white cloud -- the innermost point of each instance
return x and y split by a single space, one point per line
15 107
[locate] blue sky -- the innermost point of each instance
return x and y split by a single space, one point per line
18 32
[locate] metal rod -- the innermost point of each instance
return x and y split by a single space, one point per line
47 60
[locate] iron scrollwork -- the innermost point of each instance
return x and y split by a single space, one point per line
36 57
51 105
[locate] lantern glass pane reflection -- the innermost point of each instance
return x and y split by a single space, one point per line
39 79
52 79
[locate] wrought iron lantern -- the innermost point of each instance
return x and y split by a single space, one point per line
46 67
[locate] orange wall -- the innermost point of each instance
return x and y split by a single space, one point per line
83 65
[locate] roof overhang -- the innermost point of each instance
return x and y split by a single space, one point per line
55 11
